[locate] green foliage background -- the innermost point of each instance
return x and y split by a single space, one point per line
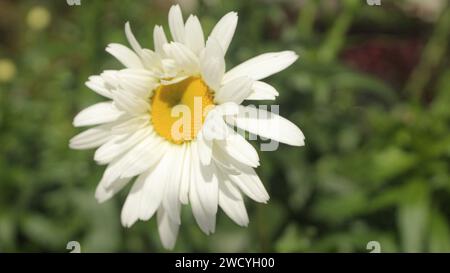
375 166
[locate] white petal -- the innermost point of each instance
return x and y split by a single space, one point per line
262 66
238 148
131 124
221 163
262 91
125 55
168 230
268 125
214 128
102 193
249 182
203 217
151 60
159 39
204 149
142 76
132 40
113 148
131 207
227 108
225 181
139 82
176 24
91 138
154 187
139 159
207 187
174 80
234 208
110 79
171 201
225 162
130 103
170 67
245 177
114 139
224 30
101 112
98 85
235 90
212 64
143 161
204 221
212 72
184 57
195 39
186 176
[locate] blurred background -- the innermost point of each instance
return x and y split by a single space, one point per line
371 92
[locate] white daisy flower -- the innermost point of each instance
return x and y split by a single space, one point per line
146 130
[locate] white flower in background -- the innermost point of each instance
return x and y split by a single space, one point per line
143 131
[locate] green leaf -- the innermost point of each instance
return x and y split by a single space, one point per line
391 162
413 216
439 235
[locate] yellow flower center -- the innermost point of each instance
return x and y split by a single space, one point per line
179 110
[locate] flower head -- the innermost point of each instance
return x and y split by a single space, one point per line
169 125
